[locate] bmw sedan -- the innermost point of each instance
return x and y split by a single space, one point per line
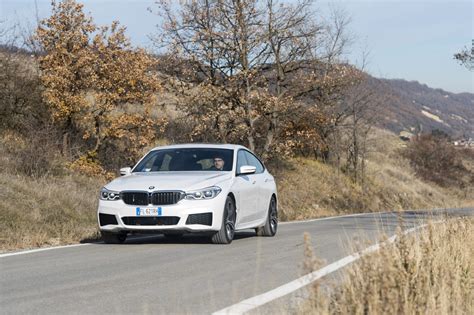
190 188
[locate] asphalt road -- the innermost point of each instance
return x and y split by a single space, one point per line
154 275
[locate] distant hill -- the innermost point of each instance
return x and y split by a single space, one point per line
414 107
403 105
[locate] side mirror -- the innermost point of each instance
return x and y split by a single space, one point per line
125 171
247 169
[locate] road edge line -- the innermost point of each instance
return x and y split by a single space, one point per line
29 251
333 217
42 249
366 213
285 289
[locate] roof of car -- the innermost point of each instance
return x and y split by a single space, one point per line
202 145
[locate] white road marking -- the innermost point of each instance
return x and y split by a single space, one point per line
29 251
361 214
259 300
146 237
41 250
333 217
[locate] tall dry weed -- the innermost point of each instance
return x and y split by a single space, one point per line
430 272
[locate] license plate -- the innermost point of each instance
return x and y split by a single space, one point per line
148 211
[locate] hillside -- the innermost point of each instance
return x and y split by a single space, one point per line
33 171
414 107
401 105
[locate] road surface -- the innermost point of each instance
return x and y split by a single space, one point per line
191 276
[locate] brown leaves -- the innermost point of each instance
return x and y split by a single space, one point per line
91 81
257 72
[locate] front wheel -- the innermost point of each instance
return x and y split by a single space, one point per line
271 224
226 233
113 238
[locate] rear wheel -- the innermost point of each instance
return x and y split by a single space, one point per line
227 231
271 225
113 238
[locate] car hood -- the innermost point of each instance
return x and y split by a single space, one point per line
185 181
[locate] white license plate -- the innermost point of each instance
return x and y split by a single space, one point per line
148 211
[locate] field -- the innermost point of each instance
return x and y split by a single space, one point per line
428 272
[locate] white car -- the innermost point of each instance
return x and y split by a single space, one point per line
215 189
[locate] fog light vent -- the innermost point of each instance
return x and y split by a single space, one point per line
200 218
106 219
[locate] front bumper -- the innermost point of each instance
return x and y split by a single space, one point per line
185 216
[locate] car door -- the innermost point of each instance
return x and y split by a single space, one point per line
259 183
244 187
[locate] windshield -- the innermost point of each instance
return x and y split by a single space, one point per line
186 159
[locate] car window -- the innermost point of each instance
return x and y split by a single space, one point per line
186 159
253 161
241 160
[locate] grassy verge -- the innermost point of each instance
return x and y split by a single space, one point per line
430 272
46 211
310 189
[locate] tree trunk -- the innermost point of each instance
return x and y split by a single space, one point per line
65 145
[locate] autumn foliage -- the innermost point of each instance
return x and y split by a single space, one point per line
264 74
91 76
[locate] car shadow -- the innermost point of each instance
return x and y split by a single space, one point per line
143 239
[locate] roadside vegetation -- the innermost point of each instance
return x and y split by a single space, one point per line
44 204
47 203
78 101
391 182
428 272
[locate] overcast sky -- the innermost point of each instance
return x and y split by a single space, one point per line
407 39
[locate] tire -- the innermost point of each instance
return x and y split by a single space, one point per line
271 224
113 238
227 231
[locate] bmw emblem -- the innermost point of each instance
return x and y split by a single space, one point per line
151 187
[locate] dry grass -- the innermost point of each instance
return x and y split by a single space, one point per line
43 210
55 208
313 189
430 272
46 211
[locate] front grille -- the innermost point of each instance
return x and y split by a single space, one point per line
135 198
106 219
150 220
158 198
166 197
200 218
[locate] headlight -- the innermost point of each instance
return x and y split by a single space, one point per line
109 195
205 193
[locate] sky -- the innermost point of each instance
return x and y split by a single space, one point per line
413 40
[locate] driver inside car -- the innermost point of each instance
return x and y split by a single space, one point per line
218 164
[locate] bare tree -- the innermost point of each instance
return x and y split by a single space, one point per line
466 57
263 62
361 113
20 92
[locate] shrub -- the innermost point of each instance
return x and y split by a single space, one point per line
436 160
35 152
